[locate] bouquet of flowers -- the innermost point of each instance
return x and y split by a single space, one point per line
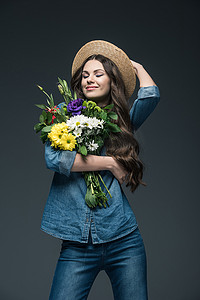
79 125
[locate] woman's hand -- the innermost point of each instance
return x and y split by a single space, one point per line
118 171
136 66
144 78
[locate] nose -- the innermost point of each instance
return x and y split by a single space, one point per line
90 78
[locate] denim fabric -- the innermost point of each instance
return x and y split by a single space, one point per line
66 215
124 261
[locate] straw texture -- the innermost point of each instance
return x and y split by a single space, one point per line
115 54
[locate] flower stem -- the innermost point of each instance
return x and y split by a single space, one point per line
104 185
92 189
46 94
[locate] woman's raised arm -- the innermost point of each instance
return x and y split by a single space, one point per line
148 97
144 78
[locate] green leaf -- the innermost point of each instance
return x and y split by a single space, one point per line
49 117
113 115
42 106
83 150
51 101
46 129
60 81
103 115
62 110
44 113
113 127
64 82
110 106
41 118
43 137
61 118
90 199
38 127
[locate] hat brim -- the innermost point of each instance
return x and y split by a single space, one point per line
117 55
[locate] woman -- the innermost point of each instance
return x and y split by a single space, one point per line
101 239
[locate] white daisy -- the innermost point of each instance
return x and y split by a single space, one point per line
76 122
92 146
77 132
95 123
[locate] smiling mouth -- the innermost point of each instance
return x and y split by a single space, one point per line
91 88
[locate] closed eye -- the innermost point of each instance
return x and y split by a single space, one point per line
97 75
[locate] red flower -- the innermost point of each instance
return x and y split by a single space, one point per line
52 110
53 117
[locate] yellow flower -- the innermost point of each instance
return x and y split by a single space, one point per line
68 142
60 138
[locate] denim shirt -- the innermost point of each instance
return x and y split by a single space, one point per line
66 215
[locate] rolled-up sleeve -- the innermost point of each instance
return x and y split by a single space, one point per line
60 161
143 106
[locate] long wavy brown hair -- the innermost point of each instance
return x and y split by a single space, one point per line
122 146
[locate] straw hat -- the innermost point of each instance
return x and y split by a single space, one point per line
115 54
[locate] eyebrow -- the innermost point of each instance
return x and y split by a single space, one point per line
94 71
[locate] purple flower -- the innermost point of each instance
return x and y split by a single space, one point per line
75 107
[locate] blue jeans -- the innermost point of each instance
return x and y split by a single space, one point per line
124 261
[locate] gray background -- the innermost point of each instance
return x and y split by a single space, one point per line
38 43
